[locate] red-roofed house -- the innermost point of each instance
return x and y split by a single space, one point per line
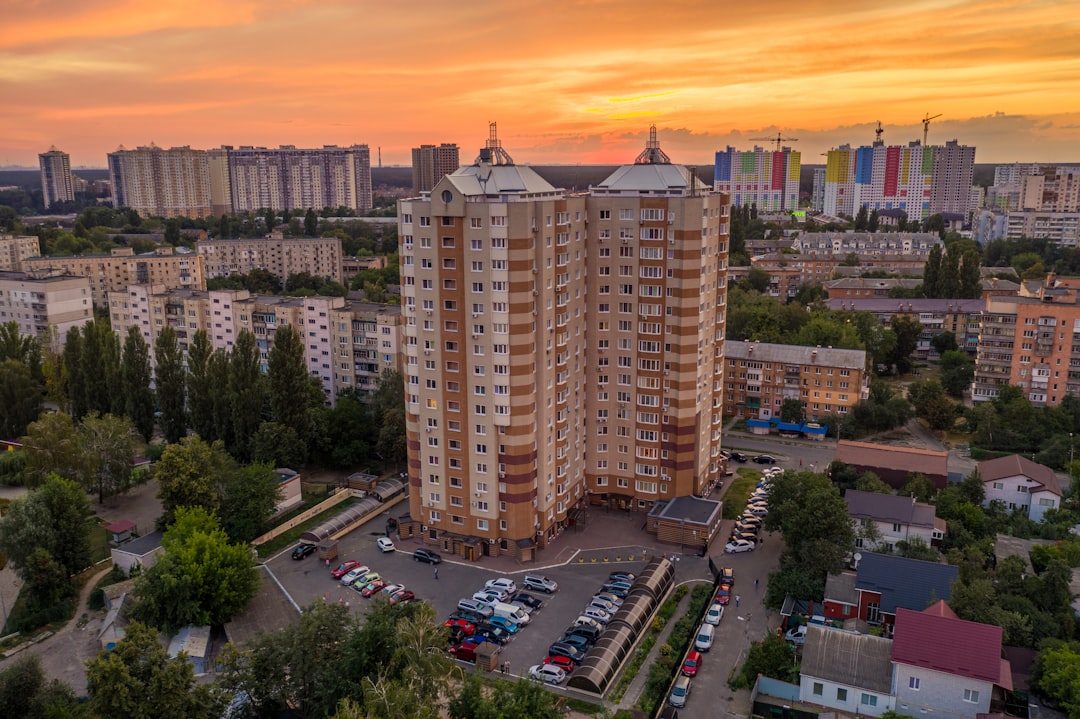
1019 483
947 666
893 464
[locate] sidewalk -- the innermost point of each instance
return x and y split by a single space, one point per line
633 692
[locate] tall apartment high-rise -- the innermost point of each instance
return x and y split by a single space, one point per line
159 182
766 178
431 162
291 178
561 349
57 184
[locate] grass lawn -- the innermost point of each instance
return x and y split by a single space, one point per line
739 491
98 539
281 541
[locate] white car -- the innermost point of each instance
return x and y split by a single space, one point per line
757 510
584 621
715 614
391 588
597 613
503 584
608 596
548 673
487 598
602 604
385 544
796 635
739 545
353 575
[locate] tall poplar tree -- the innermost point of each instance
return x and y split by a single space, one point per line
199 388
970 276
76 377
169 381
221 396
136 374
288 381
246 390
949 280
101 368
932 273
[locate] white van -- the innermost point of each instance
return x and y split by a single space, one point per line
515 614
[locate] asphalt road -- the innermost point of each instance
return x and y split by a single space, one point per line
812 453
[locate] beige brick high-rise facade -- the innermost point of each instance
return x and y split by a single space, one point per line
57 184
561 350
43 305
161 183
15 249
431 162
318 256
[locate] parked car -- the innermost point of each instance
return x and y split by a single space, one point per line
590 633
796 635
584 621
739 457
703 641
739 545
354 574
609 597
463 625
596 613
385 544
468 617
723 595
344 568
751 519
748 534
471 605
559 649
426 555
627 577
575 640
622 584
502 594
565 663
303 549
502 584
727 575
540 583
528 601
504 624
692 664
758 511
715 614
679 692
486 597
391 588
765 459
372 588
367 579
466 651
602 604
741 527
492 634
548 673
617 589
402 596
725 454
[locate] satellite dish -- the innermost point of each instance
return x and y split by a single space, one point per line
857 557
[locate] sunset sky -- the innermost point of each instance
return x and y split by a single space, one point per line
567 82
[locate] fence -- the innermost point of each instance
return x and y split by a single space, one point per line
340 495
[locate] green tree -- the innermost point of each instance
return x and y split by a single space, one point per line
73 369
108 448
757 279
26 692
957 372
792 410
944 342
138 680
136 373
949 281
287 380
862 219
874 222
218 370
169 379
248 498
100 369
187 475
1056 674
246 392
917 548
870 482
907 331
278 445
771 657
20 396
172 232
970 275
201 578
311 223
932 404
200 388
932 272
918 486
53 519
25 349
52 446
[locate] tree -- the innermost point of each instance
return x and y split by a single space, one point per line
916 548
792 410
169 378
874 221
221 407
26 692
311 223
24 349
944 342
932 405
20 396
907 331
248 498
757 279
287 379
136 374
53 519
970 275
138 680
279 445
187 475
73 368
862 219
200 389
957 371
771 657
932 272
52 446
919 487
1056 674
870 482
201 578
949 280
246 392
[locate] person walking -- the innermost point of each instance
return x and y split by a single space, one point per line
755 584
736 600
436 573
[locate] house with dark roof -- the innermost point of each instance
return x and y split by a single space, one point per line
884 584
944 665
893 463
846 671
894 518
1020 484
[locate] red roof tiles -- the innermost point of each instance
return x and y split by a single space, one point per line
932 640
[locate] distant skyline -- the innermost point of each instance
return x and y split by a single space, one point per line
568 82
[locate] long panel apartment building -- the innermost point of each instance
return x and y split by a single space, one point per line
561 349
348 344
122 267
282 256
45 305
157 182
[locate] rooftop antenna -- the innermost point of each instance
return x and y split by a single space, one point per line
778 139
380 156
926 125
652 154
878 142
492 152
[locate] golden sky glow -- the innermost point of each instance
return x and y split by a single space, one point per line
568 82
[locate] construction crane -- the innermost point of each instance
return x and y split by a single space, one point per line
926 126
778 139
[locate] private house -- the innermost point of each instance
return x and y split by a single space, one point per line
1020 484
143 551
195 642
288 489
893 464
946 666
846 671
882 585
895 518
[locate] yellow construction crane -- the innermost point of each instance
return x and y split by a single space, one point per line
778 139
926 126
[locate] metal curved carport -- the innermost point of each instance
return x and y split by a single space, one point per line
342 521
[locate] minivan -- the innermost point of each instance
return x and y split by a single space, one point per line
540 583
471 605
515 614
703 643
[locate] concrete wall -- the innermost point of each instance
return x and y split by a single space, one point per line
830 697
938 692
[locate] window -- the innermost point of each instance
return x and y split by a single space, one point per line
913 683
841 695
818 689
868 700
971 695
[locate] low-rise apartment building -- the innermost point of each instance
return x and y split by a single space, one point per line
16 248
45 305
122 267
961 317
788 272
348 344
760 376
282 256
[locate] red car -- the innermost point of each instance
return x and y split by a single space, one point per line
344 569
466 628
564 663
692 664
723 594
373 588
